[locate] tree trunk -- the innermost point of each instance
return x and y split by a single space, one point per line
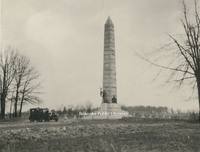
10 109
2 109
21 104
15 114
198 87
3 105
16 99
20 110
3 95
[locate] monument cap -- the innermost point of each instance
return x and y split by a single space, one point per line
109 21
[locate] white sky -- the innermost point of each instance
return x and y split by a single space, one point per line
64 39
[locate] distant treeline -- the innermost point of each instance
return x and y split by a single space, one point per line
88 108
145 109
129 109
135 111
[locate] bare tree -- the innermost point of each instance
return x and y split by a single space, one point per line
21 66
30 88
7 71
25 85
19 81
184 52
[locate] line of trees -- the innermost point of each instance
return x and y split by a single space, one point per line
145 109
19 83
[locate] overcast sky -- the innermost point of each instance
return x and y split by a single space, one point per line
64 39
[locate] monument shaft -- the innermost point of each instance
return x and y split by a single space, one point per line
109 68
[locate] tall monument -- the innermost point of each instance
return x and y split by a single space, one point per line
109 92
109 68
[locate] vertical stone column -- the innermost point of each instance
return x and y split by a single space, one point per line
109 69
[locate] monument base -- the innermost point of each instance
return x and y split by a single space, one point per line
110 107
108 111
113 110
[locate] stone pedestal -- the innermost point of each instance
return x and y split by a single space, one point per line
110 107
111 111
104 107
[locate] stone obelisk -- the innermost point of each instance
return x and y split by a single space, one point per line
109 69
109 103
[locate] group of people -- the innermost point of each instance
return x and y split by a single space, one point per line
103 94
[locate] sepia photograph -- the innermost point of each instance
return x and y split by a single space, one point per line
99 76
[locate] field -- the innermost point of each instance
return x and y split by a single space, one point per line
124 135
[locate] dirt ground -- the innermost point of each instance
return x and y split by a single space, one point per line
100 135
